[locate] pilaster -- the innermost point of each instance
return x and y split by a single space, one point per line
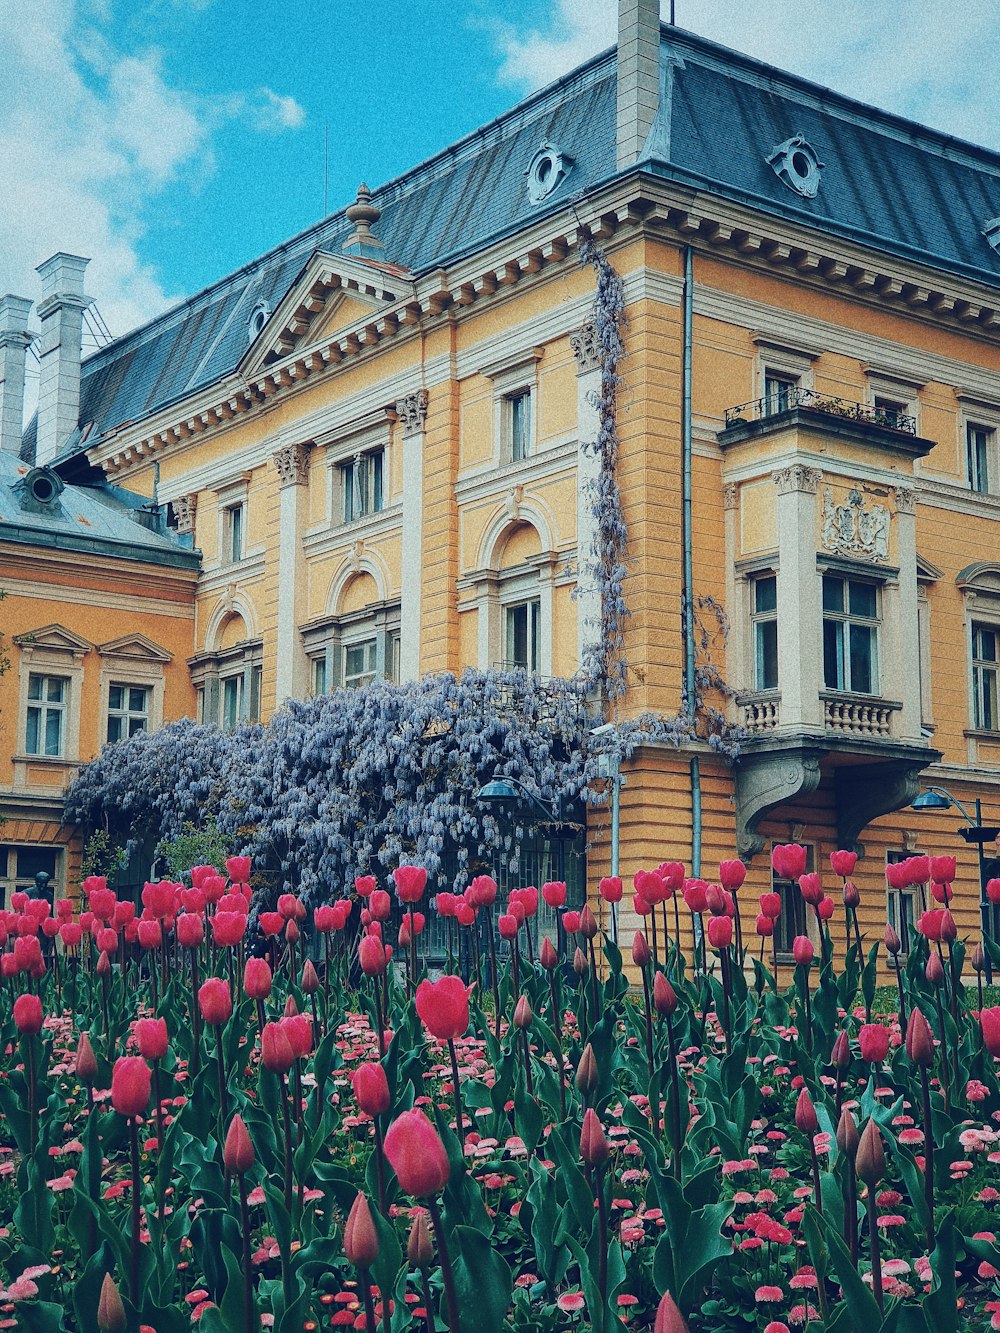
906 667
411 413
292 464
799 600
586 352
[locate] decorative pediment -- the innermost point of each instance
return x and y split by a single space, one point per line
136 647
331 292
53 639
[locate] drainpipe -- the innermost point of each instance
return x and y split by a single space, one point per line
687 586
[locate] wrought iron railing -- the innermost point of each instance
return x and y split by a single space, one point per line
792 396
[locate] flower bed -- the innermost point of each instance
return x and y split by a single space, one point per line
322 1138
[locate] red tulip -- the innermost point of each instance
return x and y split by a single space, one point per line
664 995
360 1236
873 1039
770 905
464 914
151 1037
111 1317
86 1061
824 908
238 869
107 940
507 926
840 1057
364 885
28 1015
150 934
989 1021
720 932
257 978
410 883
443 1007
588 923
190 930
215 1001
929 924
379 904
371 1089
275 1048
271 923
130 1086
732 875
483 890
237 1153
870 1160
942 869
372 956
611 889
228 928
764 926
571 922
919 1039
640 949
547 955
843 863
554 893
298 1029
668 1318
789 860
310 978
522 1013
949 930
993 890
811 887
892 940
71 933
417 1155
806 1120
802 950
695 891
594 1150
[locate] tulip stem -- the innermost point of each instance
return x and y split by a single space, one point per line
925 1089
557 1030
366 1294
602 1222
287 1125
447 1276
195 1015
221 1065
133 1272
873 1248
426 1287
250 1320
380 1167
675 1100
903 1018
851 1207
817 1194
29 1042
654 1117
593 976
459 1124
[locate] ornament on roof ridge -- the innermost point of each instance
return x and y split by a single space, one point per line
363 213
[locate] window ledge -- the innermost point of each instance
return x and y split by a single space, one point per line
982 734
50 760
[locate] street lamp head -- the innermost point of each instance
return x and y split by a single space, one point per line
930 800
498 791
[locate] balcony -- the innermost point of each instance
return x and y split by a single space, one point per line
759 712
793 396
823 413
858 714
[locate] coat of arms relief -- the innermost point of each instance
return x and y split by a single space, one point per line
851 529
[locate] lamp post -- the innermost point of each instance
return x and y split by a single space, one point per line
939 798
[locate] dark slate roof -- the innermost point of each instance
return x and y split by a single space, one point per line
886 182
96 520
452 204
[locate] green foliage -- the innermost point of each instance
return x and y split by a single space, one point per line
196 845
101 856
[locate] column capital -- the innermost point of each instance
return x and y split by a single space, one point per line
730 495
185 507
586 348
797 477
292 462
906 500
411 410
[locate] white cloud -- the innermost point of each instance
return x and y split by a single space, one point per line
926 61
90 136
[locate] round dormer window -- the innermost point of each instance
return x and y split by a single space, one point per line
259 316
43 488
796 163
545 171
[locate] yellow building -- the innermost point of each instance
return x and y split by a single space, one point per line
376 438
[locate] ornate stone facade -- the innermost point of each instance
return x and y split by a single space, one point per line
850 528
797 477
185 507
586 348
412 411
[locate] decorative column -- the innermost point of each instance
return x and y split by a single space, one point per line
800 634
905 632
292 463
586 351
411 413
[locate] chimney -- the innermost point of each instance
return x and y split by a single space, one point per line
638 76
60 350
14 341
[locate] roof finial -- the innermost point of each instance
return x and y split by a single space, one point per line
364 214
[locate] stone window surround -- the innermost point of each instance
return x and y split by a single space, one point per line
884 383
121 667
230 492
512 375
974 411
208 670
491 591
362 437
49 659
327 637
792 359
7 881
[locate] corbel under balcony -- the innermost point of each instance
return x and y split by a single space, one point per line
869 776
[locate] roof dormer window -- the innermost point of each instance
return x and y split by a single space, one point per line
547 169
796 164
259 316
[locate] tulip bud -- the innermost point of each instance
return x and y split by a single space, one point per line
587 1076
949 930
934 971
806 1120
802 950
919 1039
103 968
291 1008
86 1061
310 978
640 949
594 1150
419 1246
110 1310
237 1153
580 962
522 1013
978 957
847 1134
547 955
257 978
276 1050
664 996
852 896
840 1057
417 1155
892 941
668 1318
360 1236
870 1161
588 923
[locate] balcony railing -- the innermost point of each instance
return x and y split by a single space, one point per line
792 396
857 716
760 712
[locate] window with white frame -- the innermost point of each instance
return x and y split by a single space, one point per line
20 863
518 425
362 484
985 667
354 648
522 634
903 906
979 445
319 675
128 710
793 920
359 663
232 700
764 629
233 532
48 700
850 635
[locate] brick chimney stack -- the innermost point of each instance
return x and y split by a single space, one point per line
638 76
60 351
14 342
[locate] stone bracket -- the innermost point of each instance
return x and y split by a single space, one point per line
765 780
865 791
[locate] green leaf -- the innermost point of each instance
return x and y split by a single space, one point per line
483 1282
861 1303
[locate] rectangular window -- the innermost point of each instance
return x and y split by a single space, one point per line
232 700
18 867
850 635
233 533
256 680
889 410
359 663
519 407
779 392
977 450
362 485
985 666
793 920
128 710
764 593
319 675
392 658
522 634
46 724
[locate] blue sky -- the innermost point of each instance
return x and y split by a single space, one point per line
173 140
